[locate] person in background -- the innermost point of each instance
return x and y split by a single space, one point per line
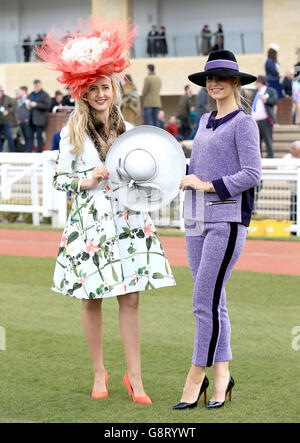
151 100
172 126
56 137
202 102
6 109
55 141
57 101
287 83
288 158
192 116
14 128
27 48
22 114
272 70
68 101
294 151
206 40
161 119
38 43
40 103
263 112
183 111
131 106
202 105
162 47
219 38
152 42
296 91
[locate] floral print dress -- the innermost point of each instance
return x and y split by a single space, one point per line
105 250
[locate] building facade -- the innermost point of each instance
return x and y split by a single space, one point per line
249 28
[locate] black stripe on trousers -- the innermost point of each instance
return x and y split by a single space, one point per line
218 289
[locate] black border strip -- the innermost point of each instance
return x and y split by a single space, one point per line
217 292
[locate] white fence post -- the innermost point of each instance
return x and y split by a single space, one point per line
34 196
181 219
298 203
6 193
54 202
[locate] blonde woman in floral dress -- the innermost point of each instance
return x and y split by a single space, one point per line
105 250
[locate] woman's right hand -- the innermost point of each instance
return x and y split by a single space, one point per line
99 173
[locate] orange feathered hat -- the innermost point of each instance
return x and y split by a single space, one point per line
99 50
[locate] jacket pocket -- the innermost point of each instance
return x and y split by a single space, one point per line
225 202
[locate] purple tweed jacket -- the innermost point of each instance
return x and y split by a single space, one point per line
226 152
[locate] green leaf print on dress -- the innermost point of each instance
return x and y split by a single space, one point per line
105 250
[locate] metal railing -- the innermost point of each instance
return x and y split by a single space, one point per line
179 45
189 44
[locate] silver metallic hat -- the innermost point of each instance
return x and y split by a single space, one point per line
145 165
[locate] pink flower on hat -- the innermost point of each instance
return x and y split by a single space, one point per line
99 50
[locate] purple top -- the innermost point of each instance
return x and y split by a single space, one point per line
228 155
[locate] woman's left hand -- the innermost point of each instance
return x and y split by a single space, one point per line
193 182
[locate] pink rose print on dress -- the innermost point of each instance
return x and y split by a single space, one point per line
63 242
91 248
148 231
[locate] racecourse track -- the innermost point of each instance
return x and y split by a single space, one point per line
276 257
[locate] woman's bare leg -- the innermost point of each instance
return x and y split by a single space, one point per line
130 331
193 384
92 325
221 373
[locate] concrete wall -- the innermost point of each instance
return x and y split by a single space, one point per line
280 25
173 72
21 17
190 15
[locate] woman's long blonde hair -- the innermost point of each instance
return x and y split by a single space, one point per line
241 101
78 119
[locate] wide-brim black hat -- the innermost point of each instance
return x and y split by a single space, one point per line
221 64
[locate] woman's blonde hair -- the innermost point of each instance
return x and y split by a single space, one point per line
241 101
78 119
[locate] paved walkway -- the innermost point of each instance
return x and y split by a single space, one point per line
261 256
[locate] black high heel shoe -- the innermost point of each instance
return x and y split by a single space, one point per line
204 386
218 404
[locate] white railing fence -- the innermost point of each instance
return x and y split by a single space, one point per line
26 187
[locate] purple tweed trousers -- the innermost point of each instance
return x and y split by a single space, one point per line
212 257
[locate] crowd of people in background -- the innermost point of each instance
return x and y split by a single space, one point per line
28 45
24 118
207 45
157 41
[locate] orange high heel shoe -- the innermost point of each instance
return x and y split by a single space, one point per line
142 399
104 394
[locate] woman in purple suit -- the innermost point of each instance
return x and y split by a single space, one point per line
225 166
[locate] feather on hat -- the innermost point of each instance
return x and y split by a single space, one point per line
99 50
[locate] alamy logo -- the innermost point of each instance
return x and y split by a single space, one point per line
2 339
296 339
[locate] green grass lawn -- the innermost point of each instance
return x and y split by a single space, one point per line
46 372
